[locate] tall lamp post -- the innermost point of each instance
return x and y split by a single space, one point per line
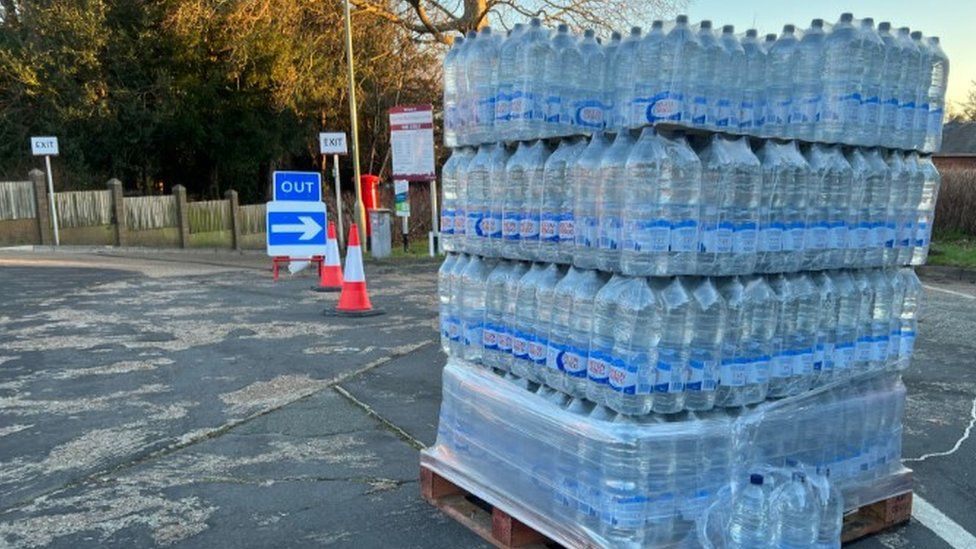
354 122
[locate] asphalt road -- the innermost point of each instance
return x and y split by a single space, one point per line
185 399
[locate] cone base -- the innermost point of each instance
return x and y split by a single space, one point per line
353 314
327 289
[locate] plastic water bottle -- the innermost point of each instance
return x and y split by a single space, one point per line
749 524
508 328
908 208
732 365
563 55
476 201
880 318
560 335
786 177
782 381
761 312
444 299
672 102
731 183
907 89
601 341
908 316
505 84
496 198
532 173
609 88
646 232
842 102
923 82
864 316
545 306
609 198
937 73
823 355
780 71
556 209
694 76
891 68
831 504
455 306
728 81
473 295
528 95
573 358
880 189
461 203
482 61
450 86
829 179
513 205
622 68
803 342
899 180
752 112
848 308
709 315
807 100
705 83
588 79
494 327
676 333
526 316
584 176
646 76
872 58
898 287
466 103
449 188
796 513
637 331
931 181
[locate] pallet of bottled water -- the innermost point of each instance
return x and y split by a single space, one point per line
666 344
583 475
657 203
850 82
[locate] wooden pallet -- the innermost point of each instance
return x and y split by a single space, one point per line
491 523
505 531
878 516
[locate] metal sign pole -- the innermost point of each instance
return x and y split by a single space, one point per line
434 240
354 122
341 233
50 195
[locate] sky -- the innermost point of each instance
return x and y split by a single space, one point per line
951 20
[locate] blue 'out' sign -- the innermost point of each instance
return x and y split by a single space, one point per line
296 229
298 186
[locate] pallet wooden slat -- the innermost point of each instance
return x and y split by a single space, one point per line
502 530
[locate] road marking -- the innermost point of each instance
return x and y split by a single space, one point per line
941 525
953 292
955 447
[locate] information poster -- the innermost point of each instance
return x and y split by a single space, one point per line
401 189
412 142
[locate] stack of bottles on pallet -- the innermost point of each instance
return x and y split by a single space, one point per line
639 345
850 82
586 476
662 204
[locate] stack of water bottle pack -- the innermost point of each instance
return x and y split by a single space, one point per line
674 338
849 82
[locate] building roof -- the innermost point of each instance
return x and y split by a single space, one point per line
959 138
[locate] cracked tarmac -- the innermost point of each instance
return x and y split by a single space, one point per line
184 399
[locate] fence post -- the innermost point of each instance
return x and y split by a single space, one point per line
118 211
42 207
235 219
182 215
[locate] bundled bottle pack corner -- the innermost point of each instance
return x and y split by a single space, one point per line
667 344
850 82
660 203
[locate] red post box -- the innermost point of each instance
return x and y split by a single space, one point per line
371 196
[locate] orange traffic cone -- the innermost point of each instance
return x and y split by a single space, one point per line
330 275
354 300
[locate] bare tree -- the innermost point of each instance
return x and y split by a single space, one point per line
438 18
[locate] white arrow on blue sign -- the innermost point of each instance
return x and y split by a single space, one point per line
296 229
298 186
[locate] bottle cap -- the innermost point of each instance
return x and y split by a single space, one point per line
472 34
615 36
867 22
563 27
884 26
681 20
770 37
756 479
817 23
589 33
486 30
916 35
846 17
657 24
459 40
728 29
535 22
706 24
635 31
752 33
789 29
